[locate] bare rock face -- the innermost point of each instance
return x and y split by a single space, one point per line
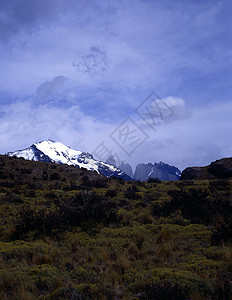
122 165
126 168
144 171
111 161
159 170
219 169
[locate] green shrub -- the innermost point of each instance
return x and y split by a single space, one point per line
182 283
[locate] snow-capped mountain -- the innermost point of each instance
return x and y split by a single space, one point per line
51 151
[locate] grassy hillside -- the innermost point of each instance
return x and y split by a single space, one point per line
67 233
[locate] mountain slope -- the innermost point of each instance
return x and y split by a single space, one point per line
51 151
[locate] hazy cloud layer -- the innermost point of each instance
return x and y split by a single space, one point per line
74 70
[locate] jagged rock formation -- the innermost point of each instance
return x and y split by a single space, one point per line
126 168
159 170
143 172
111 161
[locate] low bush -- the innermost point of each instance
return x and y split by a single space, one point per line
195 205
48 222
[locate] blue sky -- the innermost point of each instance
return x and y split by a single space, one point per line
72 71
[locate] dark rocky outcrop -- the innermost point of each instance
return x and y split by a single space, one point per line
192 173
219 169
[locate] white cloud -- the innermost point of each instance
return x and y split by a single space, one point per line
197 140
194 141
23 123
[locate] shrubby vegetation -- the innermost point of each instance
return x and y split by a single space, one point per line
66 233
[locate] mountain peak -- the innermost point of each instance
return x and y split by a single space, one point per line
50 142
45 141
52 151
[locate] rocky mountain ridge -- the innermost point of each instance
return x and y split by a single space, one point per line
51 151
144 171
